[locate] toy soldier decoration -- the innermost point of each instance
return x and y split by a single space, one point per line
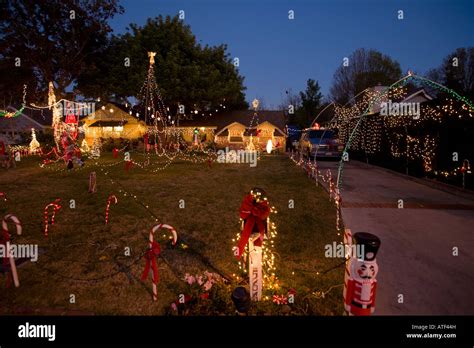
360 283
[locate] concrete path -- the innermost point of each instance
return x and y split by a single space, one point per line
416 255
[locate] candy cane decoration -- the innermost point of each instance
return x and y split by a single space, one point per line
6 236
109 200
56 208
92 182
168 227
152 253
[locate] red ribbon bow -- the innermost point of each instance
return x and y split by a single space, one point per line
150 257
253 213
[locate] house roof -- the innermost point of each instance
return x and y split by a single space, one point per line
43 117
418 92
110 112
20 124
222 120
24 122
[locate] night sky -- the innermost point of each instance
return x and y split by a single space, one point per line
277 54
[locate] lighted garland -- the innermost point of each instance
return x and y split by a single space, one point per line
11 114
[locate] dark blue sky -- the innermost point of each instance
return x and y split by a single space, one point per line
276 53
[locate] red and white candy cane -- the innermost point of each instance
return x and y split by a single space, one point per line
152 253
56 206
6 238
112 198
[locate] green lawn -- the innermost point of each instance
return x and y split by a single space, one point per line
83 254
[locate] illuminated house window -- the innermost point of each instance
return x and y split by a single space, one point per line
118 128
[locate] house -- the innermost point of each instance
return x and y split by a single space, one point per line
14 130
412 95
382 116
236 128
111 121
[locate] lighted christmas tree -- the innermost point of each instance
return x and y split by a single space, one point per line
154 110
96 145
84 147
251 146
34 144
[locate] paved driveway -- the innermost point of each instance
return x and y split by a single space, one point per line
416 255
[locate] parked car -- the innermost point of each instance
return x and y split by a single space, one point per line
320 143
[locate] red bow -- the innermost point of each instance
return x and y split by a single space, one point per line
150 257
253 213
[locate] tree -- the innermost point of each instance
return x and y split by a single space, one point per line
52 39
310 102
290 104
457 72
366 68
187 73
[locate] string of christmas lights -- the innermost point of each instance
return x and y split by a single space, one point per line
360 129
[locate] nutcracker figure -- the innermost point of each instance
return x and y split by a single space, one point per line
360 283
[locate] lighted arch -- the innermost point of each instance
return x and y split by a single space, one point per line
376 99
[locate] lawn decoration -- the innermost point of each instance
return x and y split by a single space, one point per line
34 144
128 165
466 168
254 211
6 241
56 206
92 182
360 283
112 198
152 253
95 152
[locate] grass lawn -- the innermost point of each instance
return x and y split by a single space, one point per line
83 256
